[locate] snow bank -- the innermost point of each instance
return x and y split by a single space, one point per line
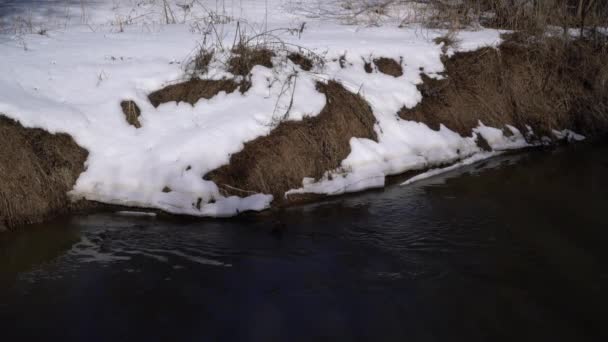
73 80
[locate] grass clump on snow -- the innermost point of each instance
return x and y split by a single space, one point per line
191 91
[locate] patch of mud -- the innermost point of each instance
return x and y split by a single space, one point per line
37 170
278 162
191 91
132 113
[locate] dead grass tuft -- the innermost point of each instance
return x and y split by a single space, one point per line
304 62
551 84
278 162
132 112
389 66
201 61
245 57
448 40
191 91
38 169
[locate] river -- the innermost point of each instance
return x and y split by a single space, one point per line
513 248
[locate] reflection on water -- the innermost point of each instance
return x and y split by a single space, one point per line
511 248
24 250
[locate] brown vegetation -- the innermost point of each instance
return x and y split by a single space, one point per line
201 61
535 16
447 40
278 162
368 67
549 84
389 66
244 58
524 15
385 65
191 91
304 62
37 170
132 112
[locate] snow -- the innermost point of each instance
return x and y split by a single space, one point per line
568 135
73 77
497 139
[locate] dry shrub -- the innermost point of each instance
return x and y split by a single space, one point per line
389 66
191 91
278 162
536 16
450 14
132 112
551 84
201 60
245 57
37 169
531 16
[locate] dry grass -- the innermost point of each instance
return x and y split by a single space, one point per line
535 16
132 112
449 40
278 162
245 57
299 59
389 66
551 84
191 91
385 65
201 60
37 170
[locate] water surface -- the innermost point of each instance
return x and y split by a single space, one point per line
510 249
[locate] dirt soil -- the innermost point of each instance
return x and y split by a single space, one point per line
278 162
38 169
548 85
191 91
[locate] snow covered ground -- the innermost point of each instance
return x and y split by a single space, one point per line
69 67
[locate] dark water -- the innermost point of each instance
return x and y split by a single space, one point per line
513 249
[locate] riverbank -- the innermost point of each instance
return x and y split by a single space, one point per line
38 170
215 125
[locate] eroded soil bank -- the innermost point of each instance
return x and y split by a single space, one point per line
37 170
